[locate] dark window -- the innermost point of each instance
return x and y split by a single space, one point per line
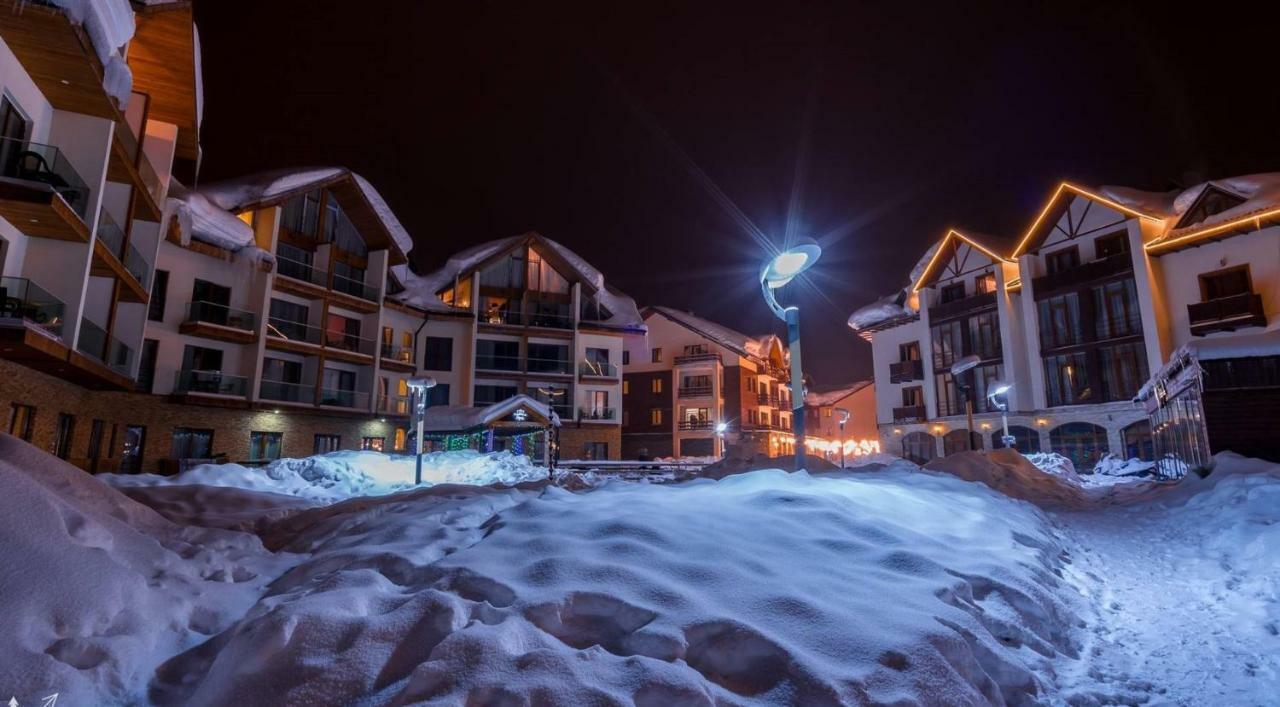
135 443
1124 370
159 292
1115 307
983 379
264 446
294 262
497 355
14 126
956 441
213 293
1137 441
349 279
549 358
22 420
655 355
438 354
1067 379
302 213
984 335
66 433
595 450
953 292
147 366
94 452
1114 244
912 396
289 321
626 357
919 447
1225 283
199 358
191 443
948 343
327 443
1025 439
909 351
281 371
1081 442
1060 321
948 393
1062 260
488 394
438 394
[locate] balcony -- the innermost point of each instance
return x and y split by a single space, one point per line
964 305
1047 285
696 424
196 382
910 413
96 344
762 399
514 317
23 300
694 391
344 345
220 322
352 399
906 371
597 414
129 164
114 259
355 288
554 366
701 357
498 363
298 270
395 405
597 369
41 193
1226 313
397 357
290 334
285 392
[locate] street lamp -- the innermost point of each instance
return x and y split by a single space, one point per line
418 387
998 396
721 427
842 416
959 368
783 268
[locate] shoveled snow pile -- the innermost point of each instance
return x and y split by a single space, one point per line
340 475
97 590
1121 469
765 587
1054 463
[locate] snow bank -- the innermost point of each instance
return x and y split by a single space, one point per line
1012 474
764 588
98 589
341 475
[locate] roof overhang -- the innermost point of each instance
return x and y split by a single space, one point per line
1188 238
162 57
950 242
59 57
1057 205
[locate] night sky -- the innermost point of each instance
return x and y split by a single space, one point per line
479 121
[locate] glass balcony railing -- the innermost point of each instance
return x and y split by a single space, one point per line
95 343
349 342
497 363
393 405
602 413
284 392
44 164
550 365
137 266
211 383
297 270
221 315
294 331
355 288
21 298
111 235
344 398
601 369
397 353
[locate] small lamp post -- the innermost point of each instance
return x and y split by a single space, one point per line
721 427
842 416
418 387
998 395
783 268
957 369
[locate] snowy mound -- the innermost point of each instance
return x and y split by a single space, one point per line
763 588
1012 474
98 589
340 475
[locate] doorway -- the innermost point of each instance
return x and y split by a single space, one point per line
135 441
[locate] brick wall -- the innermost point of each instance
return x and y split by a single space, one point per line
574 437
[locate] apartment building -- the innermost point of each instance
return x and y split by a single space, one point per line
1076 315
692 375
825 436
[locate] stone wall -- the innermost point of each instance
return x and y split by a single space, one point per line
574 436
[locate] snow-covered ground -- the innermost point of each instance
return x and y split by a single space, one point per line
872 585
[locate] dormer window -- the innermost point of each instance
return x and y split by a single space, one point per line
985 284
1211 201
1062 260
952 292
1114 244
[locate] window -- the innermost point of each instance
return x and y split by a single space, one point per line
135 443
66 432
626 357
1025 439
1114 244
14 125
1115 306
948 393
1225 283
626 387
1067 379
1060 321
159 291
912 396
985 378
264 446
597 361
826 412
294 262
952 292
655 385
909 351
94 453
302 213
349 278
488 394
22 419
1062 260
325 444
1137 441
1082 442
199 358
438 395
549 358
147 366
655 416
655 355
438 354
203 291
372 444
919 447
401 439
497 355
956 441
289 321
595 450
342 332
191 443
984 335
1124 370
985 284
948 343
600 404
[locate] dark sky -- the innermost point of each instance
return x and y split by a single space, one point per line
481 120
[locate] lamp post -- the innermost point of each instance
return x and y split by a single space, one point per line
553 444
720 430
783 268
957 369
998 395
419 387
842 415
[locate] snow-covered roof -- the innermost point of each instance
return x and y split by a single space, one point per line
421 290
1262 343
1259 192
749 346
835 395
460 418
110 25
886 309
200 219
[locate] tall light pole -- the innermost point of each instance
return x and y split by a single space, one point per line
783 268
958 369
999 396
419 387
842 415
720 430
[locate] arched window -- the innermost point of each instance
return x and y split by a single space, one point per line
1081 442
955 441
1137 441
1026 439
919 447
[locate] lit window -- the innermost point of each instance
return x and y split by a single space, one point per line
655 416
656 386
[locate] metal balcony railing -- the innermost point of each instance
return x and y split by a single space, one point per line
402 354
211 383
294 331
46 165
697 357
697 424
597 413
694 391
286 392
762 398
599 369
221 315
344 398
21 298
393 405
906 371
909 413
964 305
1082 274
1226 313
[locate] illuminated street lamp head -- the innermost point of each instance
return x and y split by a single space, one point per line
842 415
721 427
420 384
785 266
999 389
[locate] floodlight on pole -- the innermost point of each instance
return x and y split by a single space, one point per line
418 388
998 395
777 272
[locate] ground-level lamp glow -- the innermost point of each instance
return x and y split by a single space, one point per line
418 388
998 394
783 268
842 416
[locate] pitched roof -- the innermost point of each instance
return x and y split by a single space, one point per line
947 249
462 418
834 395
1060 200
1259 196
732 339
